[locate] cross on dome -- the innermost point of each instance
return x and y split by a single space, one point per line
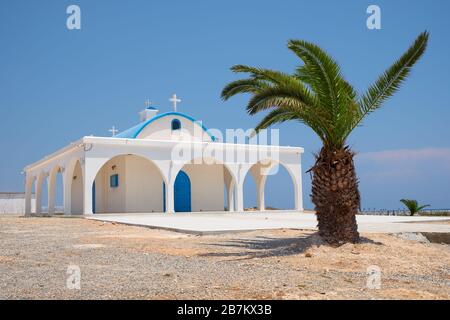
174 100
113 131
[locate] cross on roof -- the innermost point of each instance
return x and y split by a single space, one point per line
174 100
147 103
113 131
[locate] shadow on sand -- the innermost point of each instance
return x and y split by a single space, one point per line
263 247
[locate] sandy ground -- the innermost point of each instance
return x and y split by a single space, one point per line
438 222
124 262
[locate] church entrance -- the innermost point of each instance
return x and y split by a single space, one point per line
182 193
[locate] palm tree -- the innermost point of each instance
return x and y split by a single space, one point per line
317 95
413 206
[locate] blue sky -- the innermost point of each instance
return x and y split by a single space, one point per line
57 85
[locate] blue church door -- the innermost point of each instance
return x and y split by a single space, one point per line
182 193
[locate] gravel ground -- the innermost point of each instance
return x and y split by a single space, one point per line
124 262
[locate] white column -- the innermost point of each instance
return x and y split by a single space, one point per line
170 205
260 186
295 171
299 191
299 194
242 171
231 196
89 172
28 191
229 185
38 188
240 196
67 190
259 173
51 181
170 170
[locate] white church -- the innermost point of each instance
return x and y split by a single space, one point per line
168 162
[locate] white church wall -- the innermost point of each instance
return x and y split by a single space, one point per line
139 189
207 186
108 199
144 186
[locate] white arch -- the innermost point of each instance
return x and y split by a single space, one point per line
51 184
229 183
68 173
177 166
94 168
294 171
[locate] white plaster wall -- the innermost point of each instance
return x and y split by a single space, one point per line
161 129
13 203
207 186
144 186
109 199
139 190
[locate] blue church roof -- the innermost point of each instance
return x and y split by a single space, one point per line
133 132
151 108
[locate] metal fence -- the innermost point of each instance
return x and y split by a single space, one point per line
403 212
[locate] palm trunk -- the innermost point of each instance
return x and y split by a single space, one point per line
336 196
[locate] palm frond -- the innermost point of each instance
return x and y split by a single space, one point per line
317 93
389 82
423 207
263 79
266 98
291 109
276 116
413 205
272 76
242 86
323 75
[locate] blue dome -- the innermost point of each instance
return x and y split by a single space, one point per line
133 132
152 108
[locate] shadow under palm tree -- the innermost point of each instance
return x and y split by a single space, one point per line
264 247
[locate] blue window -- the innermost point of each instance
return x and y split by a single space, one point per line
114 181
176 124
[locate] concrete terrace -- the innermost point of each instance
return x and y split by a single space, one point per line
214 222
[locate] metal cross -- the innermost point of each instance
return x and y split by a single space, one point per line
147 103
174 100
